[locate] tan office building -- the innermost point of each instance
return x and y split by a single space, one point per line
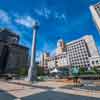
80 52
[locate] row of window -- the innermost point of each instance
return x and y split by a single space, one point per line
76 47
72 58
75 63
77 43
80 61
78 54
59 57
78 57
85 64
78 50
95 62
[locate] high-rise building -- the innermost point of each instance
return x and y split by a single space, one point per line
12 55
80 50
60 47
95 11
44 61
79 53
8 36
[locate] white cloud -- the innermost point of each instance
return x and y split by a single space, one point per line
27 21
45 12
56 15
39 12
60 16
4 17
63 16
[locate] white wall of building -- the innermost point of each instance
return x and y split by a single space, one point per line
91 45
63 61
94 61
79 52
51 64
95 16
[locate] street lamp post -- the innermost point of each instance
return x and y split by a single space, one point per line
32 67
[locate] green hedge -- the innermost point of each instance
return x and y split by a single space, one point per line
93 71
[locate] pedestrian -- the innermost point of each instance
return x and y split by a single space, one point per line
75 74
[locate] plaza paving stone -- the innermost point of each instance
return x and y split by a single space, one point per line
47 90
51 95
92 88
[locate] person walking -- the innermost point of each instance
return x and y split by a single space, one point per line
75 74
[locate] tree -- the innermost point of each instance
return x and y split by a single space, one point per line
82 70
40 71
22 71
97 71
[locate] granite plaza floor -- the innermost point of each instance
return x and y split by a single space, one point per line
47 90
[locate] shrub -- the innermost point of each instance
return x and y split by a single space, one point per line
83 71
22 71
40 71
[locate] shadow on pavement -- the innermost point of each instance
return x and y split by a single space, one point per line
6 96
50 95
91 88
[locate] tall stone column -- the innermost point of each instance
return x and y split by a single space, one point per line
32 68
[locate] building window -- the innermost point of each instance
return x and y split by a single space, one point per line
93 62
97 62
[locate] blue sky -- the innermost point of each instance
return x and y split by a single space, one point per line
67 19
